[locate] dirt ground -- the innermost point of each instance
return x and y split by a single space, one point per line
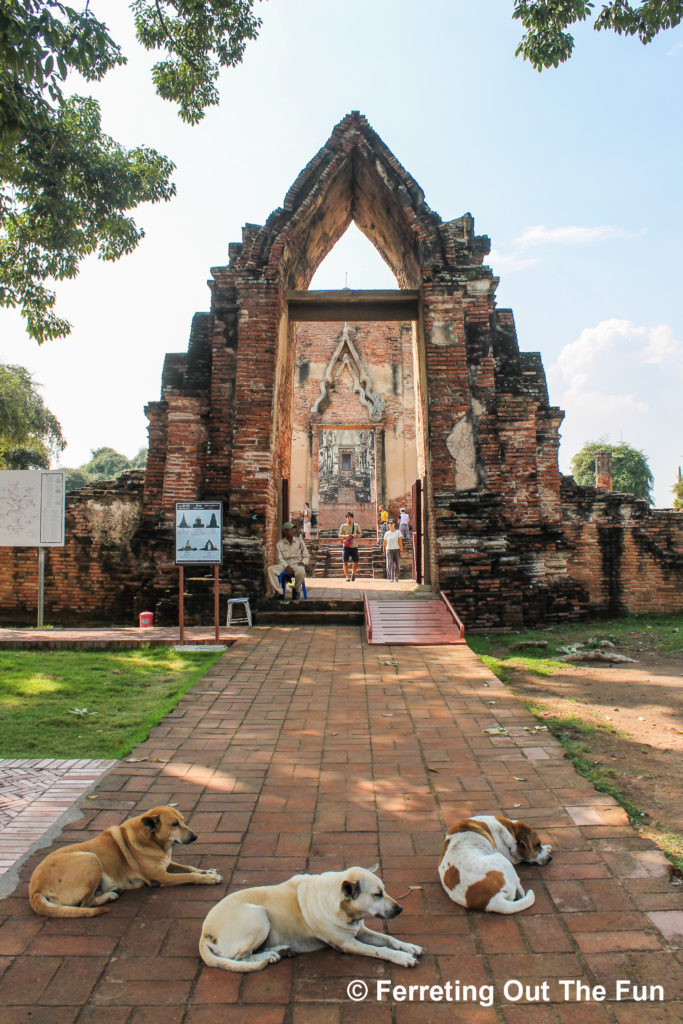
643 702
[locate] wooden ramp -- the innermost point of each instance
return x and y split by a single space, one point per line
415 623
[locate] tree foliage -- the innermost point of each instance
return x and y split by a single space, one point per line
105 464
678 493
30 435
547 43
67 190
631 473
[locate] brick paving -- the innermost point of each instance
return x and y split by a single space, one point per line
308 750
34 794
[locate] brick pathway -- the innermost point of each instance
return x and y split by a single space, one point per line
309 750
34 794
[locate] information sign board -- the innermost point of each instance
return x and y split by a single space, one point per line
199 533
32 508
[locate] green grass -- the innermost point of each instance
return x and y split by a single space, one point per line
89 703
633 633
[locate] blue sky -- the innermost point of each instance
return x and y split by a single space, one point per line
574 174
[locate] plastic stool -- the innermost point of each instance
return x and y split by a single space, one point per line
232 601
282 580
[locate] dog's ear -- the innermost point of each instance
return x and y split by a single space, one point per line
373 871
151 824
350 890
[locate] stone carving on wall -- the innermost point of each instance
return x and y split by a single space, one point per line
346 355
443 335
460 444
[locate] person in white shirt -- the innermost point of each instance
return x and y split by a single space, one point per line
291 556
393 549
307 521
404 524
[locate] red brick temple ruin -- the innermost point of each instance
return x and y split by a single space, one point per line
349 398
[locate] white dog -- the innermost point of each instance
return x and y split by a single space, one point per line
476 863
250 929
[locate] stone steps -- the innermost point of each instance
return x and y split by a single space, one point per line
310 613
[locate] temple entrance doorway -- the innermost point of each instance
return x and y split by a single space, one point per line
358 408
354 426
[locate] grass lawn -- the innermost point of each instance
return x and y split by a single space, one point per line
662 633
89 704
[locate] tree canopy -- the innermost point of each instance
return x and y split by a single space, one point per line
105 464
30 435
678 493
547 43
67 190
631 472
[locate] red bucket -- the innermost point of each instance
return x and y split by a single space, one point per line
146 620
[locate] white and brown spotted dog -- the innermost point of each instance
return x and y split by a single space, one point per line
476 863
78 880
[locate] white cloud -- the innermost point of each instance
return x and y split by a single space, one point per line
572 235
663 347
623 381
533 238
510 264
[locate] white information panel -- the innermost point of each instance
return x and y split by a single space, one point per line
32 508
199 533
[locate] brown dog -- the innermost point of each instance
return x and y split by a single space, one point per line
77 880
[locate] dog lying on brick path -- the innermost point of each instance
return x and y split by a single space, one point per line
252 928
78 880
476 863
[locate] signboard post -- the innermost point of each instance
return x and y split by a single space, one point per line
198 541
32 505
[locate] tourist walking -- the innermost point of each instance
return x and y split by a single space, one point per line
404 525
349 532
393 549
307 521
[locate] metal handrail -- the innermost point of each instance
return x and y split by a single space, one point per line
368 618
454 615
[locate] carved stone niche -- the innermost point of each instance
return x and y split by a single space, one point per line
347 356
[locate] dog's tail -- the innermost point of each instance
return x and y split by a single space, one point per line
41 905
212 958
502 905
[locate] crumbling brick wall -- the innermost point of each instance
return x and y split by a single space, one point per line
627 557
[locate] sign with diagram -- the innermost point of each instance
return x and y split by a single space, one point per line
199 532
32 508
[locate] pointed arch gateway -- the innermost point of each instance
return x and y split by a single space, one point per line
354 177
486 437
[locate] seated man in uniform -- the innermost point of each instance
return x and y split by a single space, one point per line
291 557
